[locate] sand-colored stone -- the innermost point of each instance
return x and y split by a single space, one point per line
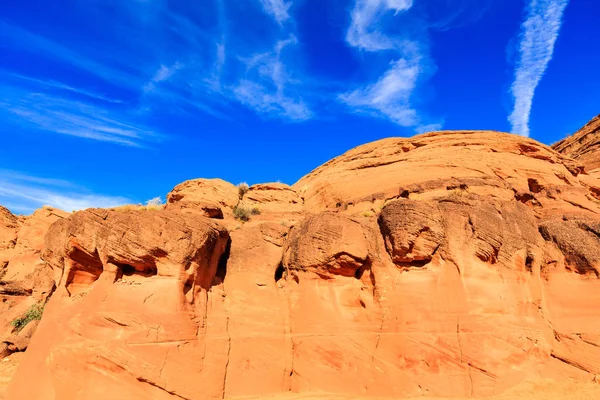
448 265
25 266
24 278
273 200
583 145
212 198
129 316
443 164
9 226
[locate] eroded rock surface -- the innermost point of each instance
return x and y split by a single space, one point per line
584 145
443 164
273 198
451 264
25 282
130 312
328 244
208 197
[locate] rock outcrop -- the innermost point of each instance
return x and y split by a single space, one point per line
9 226
130 314
451 264
25 282
273 198
442 164
209 197
584 145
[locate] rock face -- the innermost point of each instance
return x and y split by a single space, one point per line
440 164
130 312
208 197
24 280
452 264
9 225
273 198
584 145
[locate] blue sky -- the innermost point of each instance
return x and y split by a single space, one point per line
106 102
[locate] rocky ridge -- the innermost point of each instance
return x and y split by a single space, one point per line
450 264
583 145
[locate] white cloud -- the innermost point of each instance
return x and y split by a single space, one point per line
24 193
365 32
538 36
268 92
278 9
57 114
188 62
274 104
24 40
163 73
214 81
220 56
389 97
50 84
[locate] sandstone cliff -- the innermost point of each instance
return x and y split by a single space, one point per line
24 279
448 264
584 145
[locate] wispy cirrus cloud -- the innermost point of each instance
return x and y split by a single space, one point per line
392 37
110 71
390 96
23 193
365 30
278 9
162 74
538 36
166 58
266 88
51 84
54 114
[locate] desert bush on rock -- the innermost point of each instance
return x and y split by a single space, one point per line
155 203
34 313
242 213
243 189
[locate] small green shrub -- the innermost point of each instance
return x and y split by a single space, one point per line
34 313
456 194
255 211
243 189
241 213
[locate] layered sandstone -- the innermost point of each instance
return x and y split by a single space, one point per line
24 280
451 264
209 197
583 145
275 202
130 314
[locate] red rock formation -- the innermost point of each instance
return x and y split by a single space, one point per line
208 197
583 145
274 200
442 164
24 280
130 314
448 264
9 225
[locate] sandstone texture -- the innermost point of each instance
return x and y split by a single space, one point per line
208 197
129 315
25 281
447 265
584 145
